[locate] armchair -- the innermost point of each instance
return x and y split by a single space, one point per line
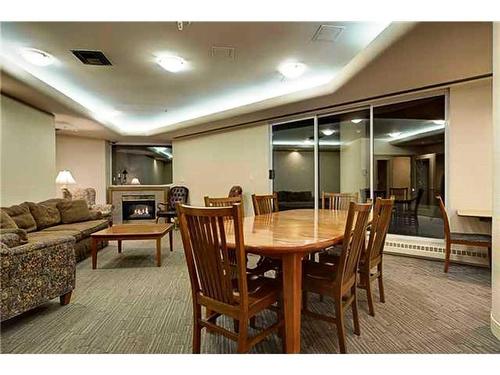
176 195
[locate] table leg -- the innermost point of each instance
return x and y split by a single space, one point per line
292 300
119 246
158 252
93 250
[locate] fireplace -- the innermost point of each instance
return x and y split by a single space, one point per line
138 207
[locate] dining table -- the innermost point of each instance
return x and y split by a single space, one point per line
290 236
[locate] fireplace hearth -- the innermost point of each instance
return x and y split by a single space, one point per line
138 207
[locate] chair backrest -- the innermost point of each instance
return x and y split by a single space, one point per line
235 191
418 199
207 255
223 202
265 204
338 201
381 219
354 239
446 222
177 195
399 193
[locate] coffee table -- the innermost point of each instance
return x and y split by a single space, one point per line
129 232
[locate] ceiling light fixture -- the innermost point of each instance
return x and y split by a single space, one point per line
292 69
439 122
37 57
394 134
328 132
172 64
356 120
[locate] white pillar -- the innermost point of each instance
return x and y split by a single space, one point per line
495 272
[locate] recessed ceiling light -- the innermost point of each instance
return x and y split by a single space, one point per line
292 69
37 57
439 122
328 132
356 120
172 64
394 134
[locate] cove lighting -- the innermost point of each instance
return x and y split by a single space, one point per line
36 56
328 132
292 69
172 64
394 134
409 134
356 120
439 122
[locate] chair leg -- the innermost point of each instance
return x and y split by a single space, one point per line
65 298
369 295
447 256
355 314
170 235
243 336
196 329
380 284
339 317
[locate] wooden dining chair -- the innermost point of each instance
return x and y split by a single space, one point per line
338 201
223 201
215 284
401 193
265 204
468 239
339 280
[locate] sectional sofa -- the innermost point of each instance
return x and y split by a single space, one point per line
40 245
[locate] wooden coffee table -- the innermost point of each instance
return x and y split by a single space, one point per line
126 232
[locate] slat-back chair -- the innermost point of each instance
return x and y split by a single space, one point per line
401 193
468 239
213 282
223 202
339 280
338 201
265 204
372 256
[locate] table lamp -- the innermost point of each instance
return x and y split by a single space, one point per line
65 178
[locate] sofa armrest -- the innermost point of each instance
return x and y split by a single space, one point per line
34 273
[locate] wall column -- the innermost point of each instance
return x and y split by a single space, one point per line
495 276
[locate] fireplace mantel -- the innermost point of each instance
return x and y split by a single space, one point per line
116 192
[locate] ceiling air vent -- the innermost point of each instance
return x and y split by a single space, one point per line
223 52
91 57
327 33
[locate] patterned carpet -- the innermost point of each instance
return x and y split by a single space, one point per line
130 306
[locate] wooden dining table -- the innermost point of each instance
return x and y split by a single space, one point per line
290 236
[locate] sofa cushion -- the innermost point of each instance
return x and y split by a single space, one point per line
84 228
22 216
73 211
6 221
45 215
44 236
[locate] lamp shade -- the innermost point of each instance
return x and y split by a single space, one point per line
65 178
135 181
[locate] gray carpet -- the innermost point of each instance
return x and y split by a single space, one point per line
130 306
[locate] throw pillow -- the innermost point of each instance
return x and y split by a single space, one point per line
22 216
73 211
6 221
45 215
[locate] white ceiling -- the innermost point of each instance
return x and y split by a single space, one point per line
131 96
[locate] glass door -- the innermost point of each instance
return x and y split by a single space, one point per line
344 153
294 164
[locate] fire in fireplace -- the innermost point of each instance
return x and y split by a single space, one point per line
138 207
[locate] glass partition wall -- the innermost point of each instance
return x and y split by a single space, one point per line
396 150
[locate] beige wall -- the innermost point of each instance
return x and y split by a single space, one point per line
495 278
148 170
211 164
470 153
27 142
86 159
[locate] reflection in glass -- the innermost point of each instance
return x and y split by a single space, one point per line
344 153
409 163
293 164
